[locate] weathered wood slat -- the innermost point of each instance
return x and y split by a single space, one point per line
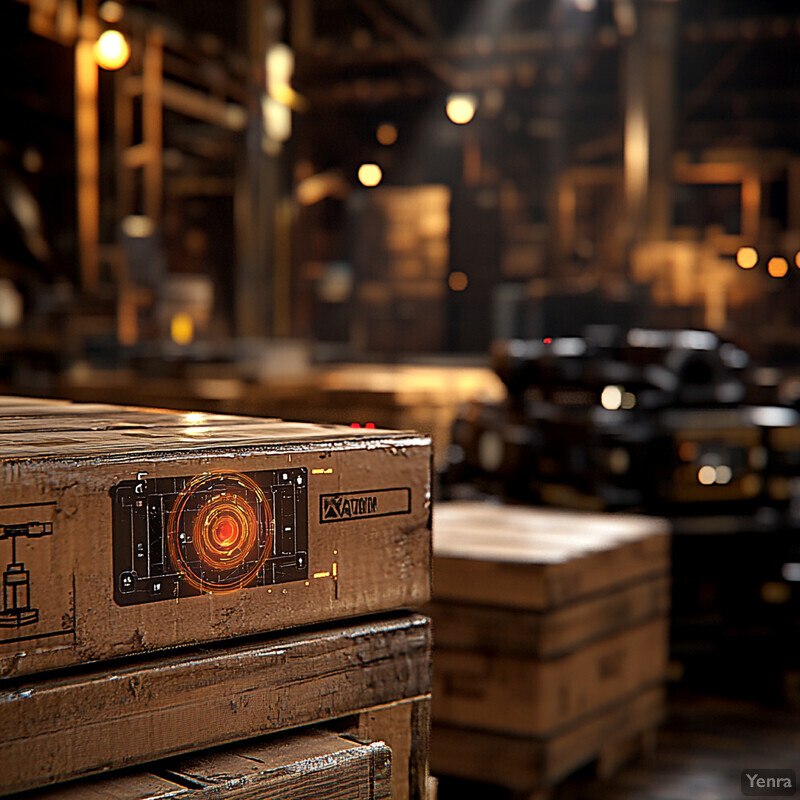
61 728
296 766
405 727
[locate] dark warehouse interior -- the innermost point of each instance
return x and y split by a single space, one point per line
561 238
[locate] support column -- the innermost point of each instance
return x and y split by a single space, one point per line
650 119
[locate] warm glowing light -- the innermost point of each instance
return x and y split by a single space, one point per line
707 475
777 267
611 398
687 451
797 259
386 133
111 50
181 329
458 281
747 257
219 532
370 174
111 11
460 108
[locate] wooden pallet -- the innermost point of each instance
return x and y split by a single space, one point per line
532 765
54 729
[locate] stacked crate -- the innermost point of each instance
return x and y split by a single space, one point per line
550 633
115 654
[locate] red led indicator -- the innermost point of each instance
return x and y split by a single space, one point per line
355 425
547 340
370 425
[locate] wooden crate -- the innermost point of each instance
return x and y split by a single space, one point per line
99 568
551 639
54 729
524 695
296 766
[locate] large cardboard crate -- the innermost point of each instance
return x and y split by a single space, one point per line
296 766
126 530
373 676
551 639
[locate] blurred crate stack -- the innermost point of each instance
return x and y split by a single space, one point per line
125 646
550 641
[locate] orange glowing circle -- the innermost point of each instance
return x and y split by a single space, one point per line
747 257
219 532
778 267
458 281
225 532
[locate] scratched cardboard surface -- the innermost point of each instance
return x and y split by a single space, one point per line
60 462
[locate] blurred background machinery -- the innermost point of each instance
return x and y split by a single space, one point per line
660 422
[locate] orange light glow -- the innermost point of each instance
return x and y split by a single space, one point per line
181 329
458 281
386 133
797 259
777 267
111 50
219 532
747 257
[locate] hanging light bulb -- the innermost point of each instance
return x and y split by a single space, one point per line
111 50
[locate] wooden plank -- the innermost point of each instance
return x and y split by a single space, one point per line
525 763
523 557
405 727
296 766
517 694
550 633
60 728
107 480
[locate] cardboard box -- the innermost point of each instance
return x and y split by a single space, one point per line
130 530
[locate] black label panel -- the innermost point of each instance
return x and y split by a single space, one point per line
209 533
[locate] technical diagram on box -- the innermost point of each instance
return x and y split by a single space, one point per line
211 533
36 604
